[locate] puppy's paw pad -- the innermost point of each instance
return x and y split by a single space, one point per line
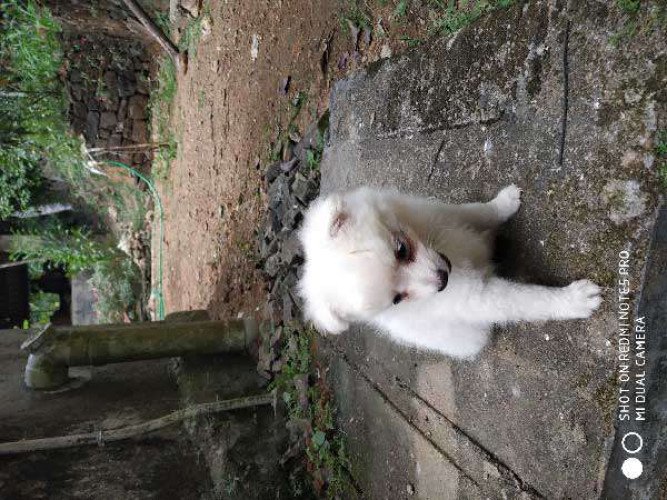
508 201
583 297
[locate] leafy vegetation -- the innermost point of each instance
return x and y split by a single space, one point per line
309 403
54 245
33 132
117 283
43 305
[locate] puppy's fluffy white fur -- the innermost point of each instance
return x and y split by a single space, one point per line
420 271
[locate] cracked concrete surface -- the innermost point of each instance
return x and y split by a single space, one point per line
536 95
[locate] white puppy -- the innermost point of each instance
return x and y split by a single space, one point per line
420 270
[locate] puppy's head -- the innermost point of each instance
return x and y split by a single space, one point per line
362 258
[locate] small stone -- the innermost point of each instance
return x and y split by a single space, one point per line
137 107
288 166
272 172
290 250
293 216
139 131
108 120
385 51
191 6
266 249
283 87
410 489
92 125
272 266
305 190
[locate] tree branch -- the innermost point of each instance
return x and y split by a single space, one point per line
180 58
131 431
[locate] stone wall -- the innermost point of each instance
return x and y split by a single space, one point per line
108 85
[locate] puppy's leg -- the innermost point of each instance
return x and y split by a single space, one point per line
481 216
501 301
491 214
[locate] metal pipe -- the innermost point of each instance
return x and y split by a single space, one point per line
54 350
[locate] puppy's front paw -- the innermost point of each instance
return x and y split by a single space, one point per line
582 297
508 201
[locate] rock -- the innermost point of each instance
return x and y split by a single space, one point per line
305 190
127 84
292 217
266 249
278 192
110 80
79 111
139 131
122 109
191 6
290 250
137 107
108 120
272 266
272 172
289 165
114 141
92 125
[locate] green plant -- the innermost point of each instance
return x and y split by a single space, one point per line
161 99
401 8
411 42
456 17
299 382
354 15
191 36
43 306
34 134
55 245
117 283
629 6
314 155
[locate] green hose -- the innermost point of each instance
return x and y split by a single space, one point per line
157 292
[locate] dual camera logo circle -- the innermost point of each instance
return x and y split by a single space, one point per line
632 467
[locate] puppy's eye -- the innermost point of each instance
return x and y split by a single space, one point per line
403 250
397 298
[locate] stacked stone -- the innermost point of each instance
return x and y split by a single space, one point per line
108 87
292 184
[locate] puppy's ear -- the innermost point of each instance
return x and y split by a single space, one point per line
340 215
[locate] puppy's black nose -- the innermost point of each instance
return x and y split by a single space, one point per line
443 278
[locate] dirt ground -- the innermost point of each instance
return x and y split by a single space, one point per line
229 109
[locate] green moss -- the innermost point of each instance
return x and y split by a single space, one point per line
606 397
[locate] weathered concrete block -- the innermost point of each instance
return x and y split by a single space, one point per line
519 97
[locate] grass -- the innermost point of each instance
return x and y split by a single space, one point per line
296 105
629 6
661 156
454 19
160 104
638 21
308 400
446 17
354 15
